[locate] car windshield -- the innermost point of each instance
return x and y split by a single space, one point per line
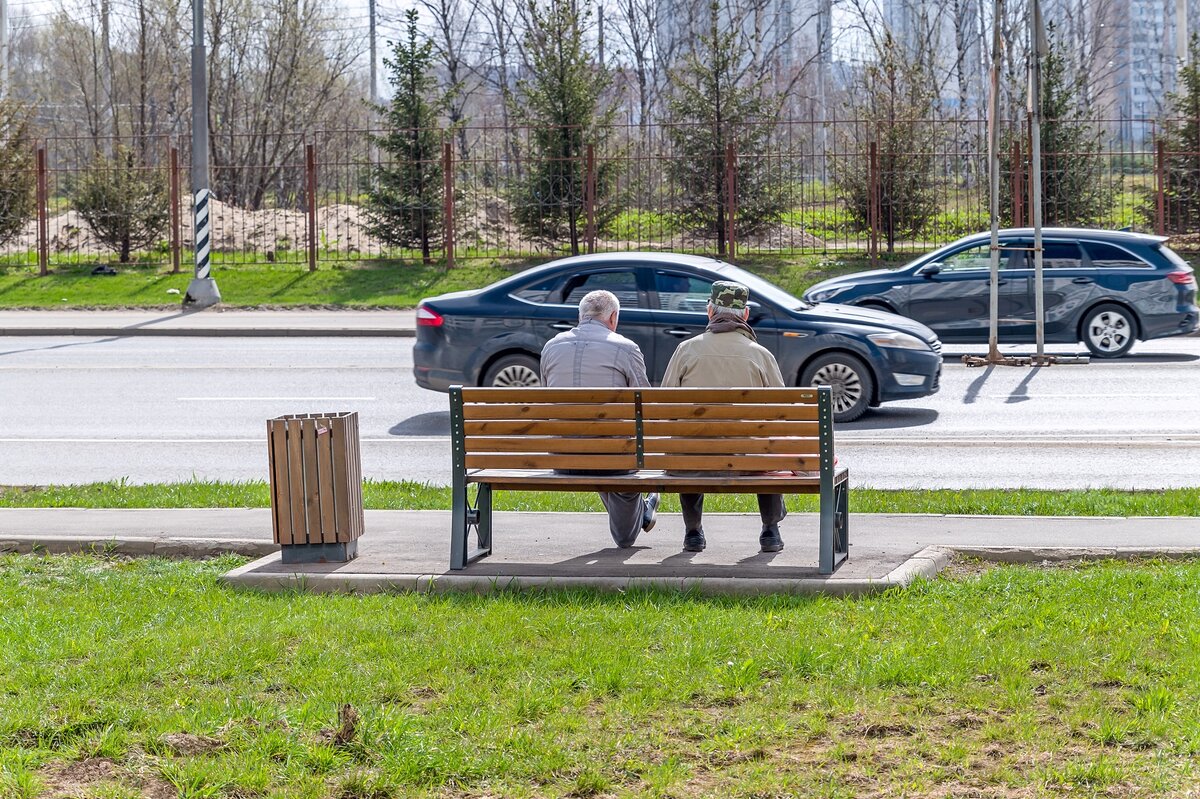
764 289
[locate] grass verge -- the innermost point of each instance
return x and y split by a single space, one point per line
145 679
373 285
409 495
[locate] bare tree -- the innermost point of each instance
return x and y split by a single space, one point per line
454 26
498 70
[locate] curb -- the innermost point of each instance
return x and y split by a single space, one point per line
239 332
162 547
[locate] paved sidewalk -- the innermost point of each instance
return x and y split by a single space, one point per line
409 550
208 322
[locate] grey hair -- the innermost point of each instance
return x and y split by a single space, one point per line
721 312
598 304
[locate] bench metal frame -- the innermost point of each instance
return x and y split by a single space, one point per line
469 516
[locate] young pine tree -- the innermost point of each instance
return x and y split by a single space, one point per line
1073 191
17 177
1181 135
404 200
124 202
711 107
562 103
896 98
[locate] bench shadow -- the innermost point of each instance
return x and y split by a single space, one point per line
889 418
434 423
614 562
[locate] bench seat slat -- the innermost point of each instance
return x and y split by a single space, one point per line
653 480
521 396
746 463
724 395
802 446
538 410
726 428
524 460
551 444
696 412
522 427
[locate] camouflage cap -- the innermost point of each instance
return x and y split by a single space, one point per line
727 294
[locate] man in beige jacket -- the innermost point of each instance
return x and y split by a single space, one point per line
726 355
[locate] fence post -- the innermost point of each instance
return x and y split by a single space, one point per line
1018 186
43 213
310 171
589 198
448 200
176 243
731 201
1160 187
873 208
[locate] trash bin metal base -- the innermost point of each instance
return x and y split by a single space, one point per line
320 553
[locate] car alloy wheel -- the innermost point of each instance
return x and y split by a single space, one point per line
513 371
1109 331
850 380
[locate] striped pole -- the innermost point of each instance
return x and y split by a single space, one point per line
202 291
203 235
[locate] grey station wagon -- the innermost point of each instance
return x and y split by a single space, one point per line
1102 287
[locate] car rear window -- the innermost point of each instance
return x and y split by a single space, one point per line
536 292
621 283
1060 255
1107 256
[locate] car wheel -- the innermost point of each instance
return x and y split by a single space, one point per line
850 380
1109 331
513 371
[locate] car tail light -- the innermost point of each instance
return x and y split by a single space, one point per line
1182 277
428 318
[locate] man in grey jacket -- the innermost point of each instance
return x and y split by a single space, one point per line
727 354
594 355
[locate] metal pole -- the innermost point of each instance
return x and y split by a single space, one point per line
1037 36
994 184
43 199
310 174
176 222
873 202
3 48
1160 187
448 201
589 199
202 290
731 201
374 53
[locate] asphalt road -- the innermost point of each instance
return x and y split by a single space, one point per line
157 409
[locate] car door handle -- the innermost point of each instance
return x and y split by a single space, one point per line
1083 280
562 326
678 332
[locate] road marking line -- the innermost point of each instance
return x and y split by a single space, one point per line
276 399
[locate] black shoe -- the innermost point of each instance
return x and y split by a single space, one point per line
650 514
769 539
693 541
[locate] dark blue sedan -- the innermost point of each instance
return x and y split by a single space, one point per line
494 336
1102 287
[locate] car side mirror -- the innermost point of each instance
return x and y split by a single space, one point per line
756 311
929 270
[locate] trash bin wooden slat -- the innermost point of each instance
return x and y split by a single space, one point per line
316 486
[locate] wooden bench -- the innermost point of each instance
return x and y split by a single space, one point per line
776 440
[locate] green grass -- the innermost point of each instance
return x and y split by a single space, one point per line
419 496
124 679
381 285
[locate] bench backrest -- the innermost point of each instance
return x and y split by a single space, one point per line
701 429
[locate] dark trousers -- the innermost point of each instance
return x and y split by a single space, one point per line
770 508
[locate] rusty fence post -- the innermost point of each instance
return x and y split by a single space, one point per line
448 200
176 219
589 199
731 201
43 213
1160 187
310 174
873 208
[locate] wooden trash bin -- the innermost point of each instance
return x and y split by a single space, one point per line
316 486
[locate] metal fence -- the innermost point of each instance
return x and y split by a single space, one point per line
827 186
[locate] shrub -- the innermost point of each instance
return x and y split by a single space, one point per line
124 202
